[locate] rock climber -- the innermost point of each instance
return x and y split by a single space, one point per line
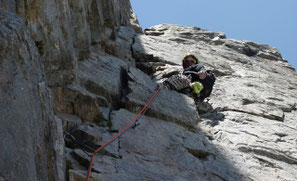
198 75
194 76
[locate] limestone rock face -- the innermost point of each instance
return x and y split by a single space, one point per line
40 53
64 30
246 129
253 116
30 142
74 73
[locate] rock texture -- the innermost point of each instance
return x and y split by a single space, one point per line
246 131
28 129
64 31
85 69
253 117
42 42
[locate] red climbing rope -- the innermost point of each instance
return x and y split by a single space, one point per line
121 132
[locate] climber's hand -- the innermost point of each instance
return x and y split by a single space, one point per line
202 74
189 82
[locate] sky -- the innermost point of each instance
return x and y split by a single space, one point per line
272 22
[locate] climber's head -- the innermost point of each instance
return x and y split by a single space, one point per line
189 60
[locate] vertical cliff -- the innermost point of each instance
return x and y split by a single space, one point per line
42 42
246 129
28 130
64 31
73 73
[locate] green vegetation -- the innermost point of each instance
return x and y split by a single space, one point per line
68 165
131 14
108 122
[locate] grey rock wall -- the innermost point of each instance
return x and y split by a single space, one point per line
252 120
246 129
74 73
40 53
28 130
64 30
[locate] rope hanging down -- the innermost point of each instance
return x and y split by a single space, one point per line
137 117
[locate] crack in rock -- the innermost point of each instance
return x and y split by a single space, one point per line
267 116
268 152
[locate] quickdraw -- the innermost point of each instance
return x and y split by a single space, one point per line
129 125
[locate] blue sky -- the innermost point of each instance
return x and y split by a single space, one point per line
272 22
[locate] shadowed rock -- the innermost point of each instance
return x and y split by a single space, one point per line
92 56
28 131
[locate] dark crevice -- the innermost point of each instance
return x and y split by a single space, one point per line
152 32
73 108
219 176
266 163
272 117
147 62
270 153
250 134
124 89
248 101
85 142
149 66
81 160
146 67
132 50
40 46
249 51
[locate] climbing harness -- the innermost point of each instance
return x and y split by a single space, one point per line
129 125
